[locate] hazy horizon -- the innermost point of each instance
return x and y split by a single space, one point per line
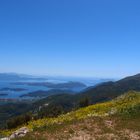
68 76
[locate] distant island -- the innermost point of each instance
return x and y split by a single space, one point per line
18 77
41 93
67 85
13 89
3 94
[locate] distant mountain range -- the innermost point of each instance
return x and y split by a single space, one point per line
14 77
67 85
18 77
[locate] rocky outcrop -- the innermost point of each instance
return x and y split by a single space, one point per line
5 138
19 133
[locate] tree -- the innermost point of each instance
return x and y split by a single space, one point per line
84 102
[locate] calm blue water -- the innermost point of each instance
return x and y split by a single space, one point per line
29 88
17 94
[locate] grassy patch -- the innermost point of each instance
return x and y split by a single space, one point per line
126 106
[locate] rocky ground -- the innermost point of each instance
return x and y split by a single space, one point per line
17 134
95 128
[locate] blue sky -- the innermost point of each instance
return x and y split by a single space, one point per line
94 38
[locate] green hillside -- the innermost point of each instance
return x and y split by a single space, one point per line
56 105
125 107
111 90
100 93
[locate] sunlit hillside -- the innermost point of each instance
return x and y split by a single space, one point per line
108 120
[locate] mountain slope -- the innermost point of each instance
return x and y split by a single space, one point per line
123 105
100 93
66 102
110 90
107 120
